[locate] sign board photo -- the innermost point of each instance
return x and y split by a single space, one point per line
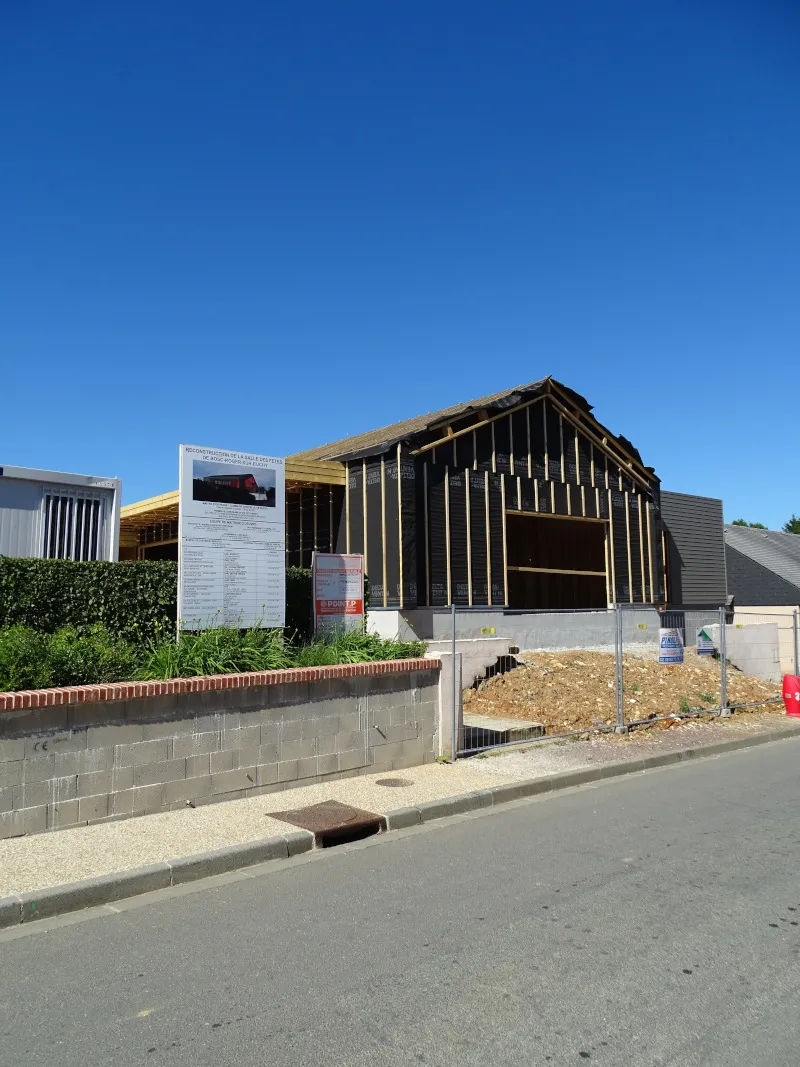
231 540
705 646
338 582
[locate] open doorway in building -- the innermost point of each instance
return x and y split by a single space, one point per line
555 562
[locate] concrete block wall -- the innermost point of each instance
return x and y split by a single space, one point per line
90 753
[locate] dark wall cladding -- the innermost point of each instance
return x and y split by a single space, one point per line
636 550
623 589
519 434
502 445
483 448
477 529
423 592
444 454
585 460
437 536
553 441
696 563
374 552
570 456
536 421
392 546
466 451
600 468
497 554
408 496
459 571
355 490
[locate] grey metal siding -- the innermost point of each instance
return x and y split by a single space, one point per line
752 584
696 549
20 518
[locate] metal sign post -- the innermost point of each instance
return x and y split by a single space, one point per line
723 659
454 738
619 645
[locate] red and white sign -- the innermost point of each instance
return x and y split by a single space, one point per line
338 591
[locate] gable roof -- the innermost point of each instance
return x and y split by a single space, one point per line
374 442
778 552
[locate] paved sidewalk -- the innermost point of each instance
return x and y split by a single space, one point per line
67 856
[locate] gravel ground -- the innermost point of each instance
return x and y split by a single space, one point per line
28 863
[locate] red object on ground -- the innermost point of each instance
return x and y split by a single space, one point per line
791 694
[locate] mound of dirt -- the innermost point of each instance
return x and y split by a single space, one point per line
569 691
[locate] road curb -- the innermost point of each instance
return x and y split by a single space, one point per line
503 794
58 900
91 892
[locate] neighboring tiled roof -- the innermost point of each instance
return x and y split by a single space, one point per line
778 552
375 441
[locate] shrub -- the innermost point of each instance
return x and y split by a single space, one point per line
354 646
32 660
220 650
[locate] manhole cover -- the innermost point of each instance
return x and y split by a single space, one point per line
333 823
394 783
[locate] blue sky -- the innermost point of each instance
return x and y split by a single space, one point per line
264 226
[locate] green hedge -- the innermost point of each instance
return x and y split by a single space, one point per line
134 601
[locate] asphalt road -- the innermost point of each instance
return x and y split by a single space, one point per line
649 920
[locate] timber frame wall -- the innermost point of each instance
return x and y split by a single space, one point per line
430 516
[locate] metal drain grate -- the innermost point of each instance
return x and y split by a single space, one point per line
333 823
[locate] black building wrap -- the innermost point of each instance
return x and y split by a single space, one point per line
437 536
392 545
374 531
459 572
477 532
355 475
410 524
497 555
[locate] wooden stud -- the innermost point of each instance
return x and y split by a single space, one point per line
569 501
583 501
519 493
474 450
604 443
561 445
505 545
447 532
641 551
553 497
650 556
611 547
628 537
383 530
528 431
536 493
591 461
488 539
469 542
364 487
400 521
427 536
577 459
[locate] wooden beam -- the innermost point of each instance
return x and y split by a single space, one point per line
557 570
476 426
544 515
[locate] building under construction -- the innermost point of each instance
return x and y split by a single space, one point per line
521 500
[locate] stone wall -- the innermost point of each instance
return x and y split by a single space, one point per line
89 753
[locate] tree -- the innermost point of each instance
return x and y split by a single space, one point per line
793 525
761 526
